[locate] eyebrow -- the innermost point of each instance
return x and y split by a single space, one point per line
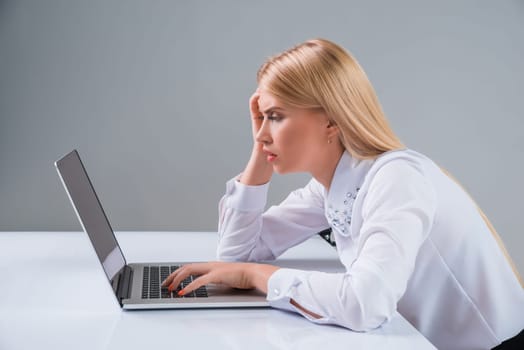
274 108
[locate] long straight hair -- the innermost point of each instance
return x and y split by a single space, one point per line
319 74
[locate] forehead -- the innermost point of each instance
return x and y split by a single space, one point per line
266 100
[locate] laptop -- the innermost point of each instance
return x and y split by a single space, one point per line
138 285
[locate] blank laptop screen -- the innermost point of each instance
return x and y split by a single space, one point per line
90 213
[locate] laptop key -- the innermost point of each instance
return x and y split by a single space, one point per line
190 295
175 293
164 272
145 283
166 293
201 292
153 277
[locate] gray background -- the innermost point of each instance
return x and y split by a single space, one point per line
154 94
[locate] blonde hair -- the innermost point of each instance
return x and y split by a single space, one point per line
320 74
491 228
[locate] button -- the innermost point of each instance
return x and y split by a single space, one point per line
276 291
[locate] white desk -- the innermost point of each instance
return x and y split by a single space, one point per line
60 299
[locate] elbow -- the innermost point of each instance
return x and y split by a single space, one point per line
232 249
364 323
236 244
367 308
361 318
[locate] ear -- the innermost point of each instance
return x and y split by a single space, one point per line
332 130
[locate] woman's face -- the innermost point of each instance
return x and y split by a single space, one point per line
294 139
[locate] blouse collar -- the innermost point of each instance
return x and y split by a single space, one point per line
345 185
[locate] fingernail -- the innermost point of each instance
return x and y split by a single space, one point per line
180 293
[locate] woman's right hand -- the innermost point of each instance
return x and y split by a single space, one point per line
256 118
258 170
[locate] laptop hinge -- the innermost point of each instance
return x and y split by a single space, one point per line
124 283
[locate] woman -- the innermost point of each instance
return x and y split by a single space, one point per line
409 236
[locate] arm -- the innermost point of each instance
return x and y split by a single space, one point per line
397 213
238 275
247 233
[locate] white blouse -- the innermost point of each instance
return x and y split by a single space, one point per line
409 237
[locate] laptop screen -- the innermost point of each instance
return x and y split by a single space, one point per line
90 213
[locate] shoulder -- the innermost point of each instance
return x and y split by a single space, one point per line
399 166
400 177
404 157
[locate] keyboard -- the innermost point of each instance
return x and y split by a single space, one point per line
154 276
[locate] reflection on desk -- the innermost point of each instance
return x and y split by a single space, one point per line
58 298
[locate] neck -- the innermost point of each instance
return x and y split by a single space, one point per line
325 170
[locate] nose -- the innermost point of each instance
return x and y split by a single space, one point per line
263 135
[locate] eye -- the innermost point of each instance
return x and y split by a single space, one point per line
275 117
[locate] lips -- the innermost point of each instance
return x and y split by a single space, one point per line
270 156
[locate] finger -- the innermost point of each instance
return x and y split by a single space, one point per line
253 105
186 271
197 283
176 277
182 274
170 278
255 94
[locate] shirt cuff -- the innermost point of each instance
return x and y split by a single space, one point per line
282 287
245 197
